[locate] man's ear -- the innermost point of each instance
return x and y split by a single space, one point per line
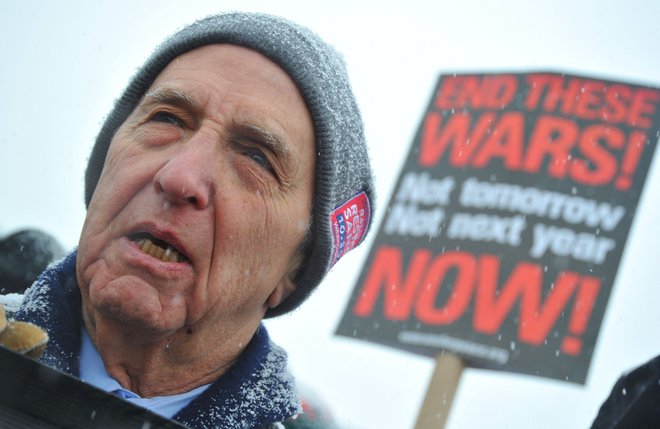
286 285
281 292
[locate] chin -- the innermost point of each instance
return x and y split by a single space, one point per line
139 312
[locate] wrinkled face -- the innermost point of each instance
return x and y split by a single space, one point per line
204 198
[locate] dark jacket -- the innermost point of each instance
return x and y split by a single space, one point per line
257 391
634 402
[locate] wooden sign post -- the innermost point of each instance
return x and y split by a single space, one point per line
440 393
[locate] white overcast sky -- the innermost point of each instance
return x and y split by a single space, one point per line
64 62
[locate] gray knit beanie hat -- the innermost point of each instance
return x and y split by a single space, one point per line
343 194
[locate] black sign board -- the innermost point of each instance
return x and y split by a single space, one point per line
502 239
34 396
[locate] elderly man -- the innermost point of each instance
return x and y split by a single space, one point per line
227 180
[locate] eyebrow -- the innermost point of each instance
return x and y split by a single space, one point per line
272 140
171 96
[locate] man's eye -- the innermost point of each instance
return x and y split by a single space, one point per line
167 118
258 156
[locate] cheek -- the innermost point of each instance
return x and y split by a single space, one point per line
121 181
93 238
255 238
249 245
128 166
104 208
276 236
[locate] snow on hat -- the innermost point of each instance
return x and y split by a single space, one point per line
343 200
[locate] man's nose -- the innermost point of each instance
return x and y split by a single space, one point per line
186 176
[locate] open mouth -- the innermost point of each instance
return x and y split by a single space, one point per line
157 248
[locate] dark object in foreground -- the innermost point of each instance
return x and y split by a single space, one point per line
36 396
634 402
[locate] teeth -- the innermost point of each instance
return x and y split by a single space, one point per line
157 252
166 255
145 245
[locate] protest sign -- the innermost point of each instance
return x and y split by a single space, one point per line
503 236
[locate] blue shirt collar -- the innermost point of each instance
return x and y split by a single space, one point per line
92 371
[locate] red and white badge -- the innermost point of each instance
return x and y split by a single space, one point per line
349 223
